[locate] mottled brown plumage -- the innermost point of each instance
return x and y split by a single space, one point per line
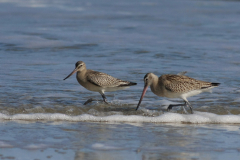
182 84
104 80
175 86
98 81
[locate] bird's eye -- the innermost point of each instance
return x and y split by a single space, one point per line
146 79
80 66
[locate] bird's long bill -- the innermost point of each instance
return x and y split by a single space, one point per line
75 70
143 93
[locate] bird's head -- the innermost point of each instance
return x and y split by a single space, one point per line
148 80
79 66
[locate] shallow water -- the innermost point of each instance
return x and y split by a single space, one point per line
43 116
85 140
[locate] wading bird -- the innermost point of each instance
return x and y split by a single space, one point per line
97 81
175 86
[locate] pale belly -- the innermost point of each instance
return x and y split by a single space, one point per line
91 87
170 94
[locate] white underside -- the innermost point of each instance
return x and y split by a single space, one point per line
194 92
107 89
112 89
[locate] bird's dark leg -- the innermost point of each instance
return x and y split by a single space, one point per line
104 98
189 105
175 105
185 104
89 101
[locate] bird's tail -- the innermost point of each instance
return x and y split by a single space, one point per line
209 88
215 84
132 83
127 84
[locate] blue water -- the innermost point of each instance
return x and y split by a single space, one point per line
43 117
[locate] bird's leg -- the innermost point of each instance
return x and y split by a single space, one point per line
89 101
189 105
104 98
183 109
185 104
175 105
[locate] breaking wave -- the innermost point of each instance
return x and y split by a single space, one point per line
196 118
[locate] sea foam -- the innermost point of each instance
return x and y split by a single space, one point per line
197 117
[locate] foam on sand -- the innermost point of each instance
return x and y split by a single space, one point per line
197 117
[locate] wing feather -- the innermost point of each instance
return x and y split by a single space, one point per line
181 83
104 80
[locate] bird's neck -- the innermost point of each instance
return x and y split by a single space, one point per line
81 75
155 87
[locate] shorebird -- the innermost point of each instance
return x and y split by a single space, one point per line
175 86
97 81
